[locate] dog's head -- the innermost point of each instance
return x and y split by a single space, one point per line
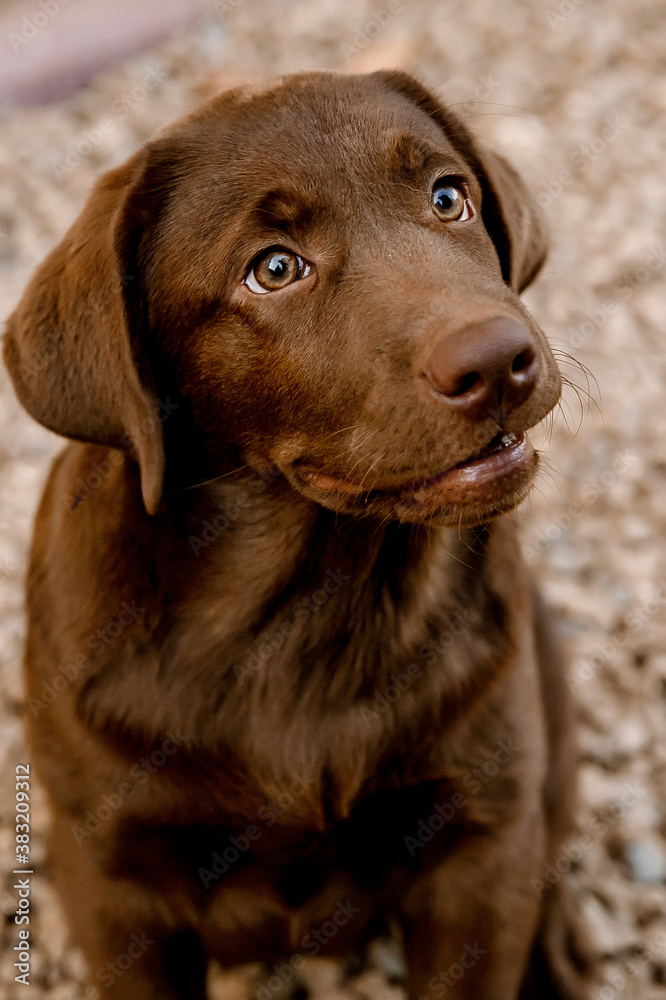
323 276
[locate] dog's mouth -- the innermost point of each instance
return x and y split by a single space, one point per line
488 477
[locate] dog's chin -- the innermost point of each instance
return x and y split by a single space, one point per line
473 492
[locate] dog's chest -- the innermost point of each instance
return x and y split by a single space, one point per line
306 732
344 681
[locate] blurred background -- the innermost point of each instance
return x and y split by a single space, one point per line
574 93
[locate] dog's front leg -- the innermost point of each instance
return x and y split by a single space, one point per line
469 920
132 945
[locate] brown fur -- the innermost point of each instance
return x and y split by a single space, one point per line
181 553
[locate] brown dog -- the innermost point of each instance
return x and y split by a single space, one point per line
287 671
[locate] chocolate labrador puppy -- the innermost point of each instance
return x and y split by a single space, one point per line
288 675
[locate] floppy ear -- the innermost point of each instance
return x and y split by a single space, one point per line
72 347
513 220
509 214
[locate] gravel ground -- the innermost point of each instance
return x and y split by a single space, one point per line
575 95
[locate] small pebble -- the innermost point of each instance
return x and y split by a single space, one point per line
646 862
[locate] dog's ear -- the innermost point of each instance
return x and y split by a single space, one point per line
509 214
513 221
72 345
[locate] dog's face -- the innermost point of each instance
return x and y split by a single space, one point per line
325 277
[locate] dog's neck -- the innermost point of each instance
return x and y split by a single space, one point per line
263 547
289 574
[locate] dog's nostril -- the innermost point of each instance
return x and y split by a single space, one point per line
522 361
466 383
485 364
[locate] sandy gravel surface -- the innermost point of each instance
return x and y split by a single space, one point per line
575 95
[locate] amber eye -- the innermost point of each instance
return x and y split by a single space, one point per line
276 269
450 203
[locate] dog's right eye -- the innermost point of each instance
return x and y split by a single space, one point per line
276 269
450 203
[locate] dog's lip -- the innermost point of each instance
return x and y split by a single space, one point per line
502 455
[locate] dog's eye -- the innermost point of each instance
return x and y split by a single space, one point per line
276 269
450 203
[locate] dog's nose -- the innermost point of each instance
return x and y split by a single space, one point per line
488 369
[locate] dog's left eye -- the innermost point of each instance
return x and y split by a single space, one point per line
276 269
450 202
